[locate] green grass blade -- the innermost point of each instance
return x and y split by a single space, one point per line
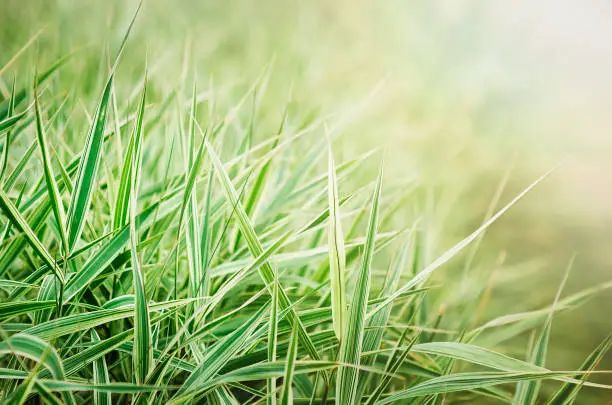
256 248
88 168
125 184
256 193
11 309
272 338
391 368
352 341
524 321
78 322
21 394
373 336
20 223
527 393
466 382
10 121
121 213
118 388
287 393
222 396
207 235
449 254
476 355
98 262
566 395
7 141
7 226
52 189
337 254
190 206
40 351
21 94
19 167
15 284
143 355
91 354
484 357
100 375
90 159
259 372
217 355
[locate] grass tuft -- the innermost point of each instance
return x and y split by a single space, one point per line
255 265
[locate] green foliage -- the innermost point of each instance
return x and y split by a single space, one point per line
223 275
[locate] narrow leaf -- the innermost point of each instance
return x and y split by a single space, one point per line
352 341
566 395
90 159
337 255
422 276
20 223
527 392
143 352
256 249
54 195
100 375
287 394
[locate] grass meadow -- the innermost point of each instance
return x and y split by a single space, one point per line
296 202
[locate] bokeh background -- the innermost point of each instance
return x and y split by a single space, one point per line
463 94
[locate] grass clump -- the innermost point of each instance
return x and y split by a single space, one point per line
171 257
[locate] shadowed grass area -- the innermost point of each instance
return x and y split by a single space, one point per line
191 212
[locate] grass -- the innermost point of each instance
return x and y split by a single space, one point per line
167 252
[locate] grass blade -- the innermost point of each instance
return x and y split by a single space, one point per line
373 336
287 393
527 393
21 394
90 159
54 196
392 366
40 351
18 169
125 185
218 355
337 254
69 324
272 338
449 254
256 249
190 205
262 371
7 141
121 213
20 223
465 382
35 349
100 261
143 354
8 122
566 395
21 94
11 309
100 375
352 341
88 168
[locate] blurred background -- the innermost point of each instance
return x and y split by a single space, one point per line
463 94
